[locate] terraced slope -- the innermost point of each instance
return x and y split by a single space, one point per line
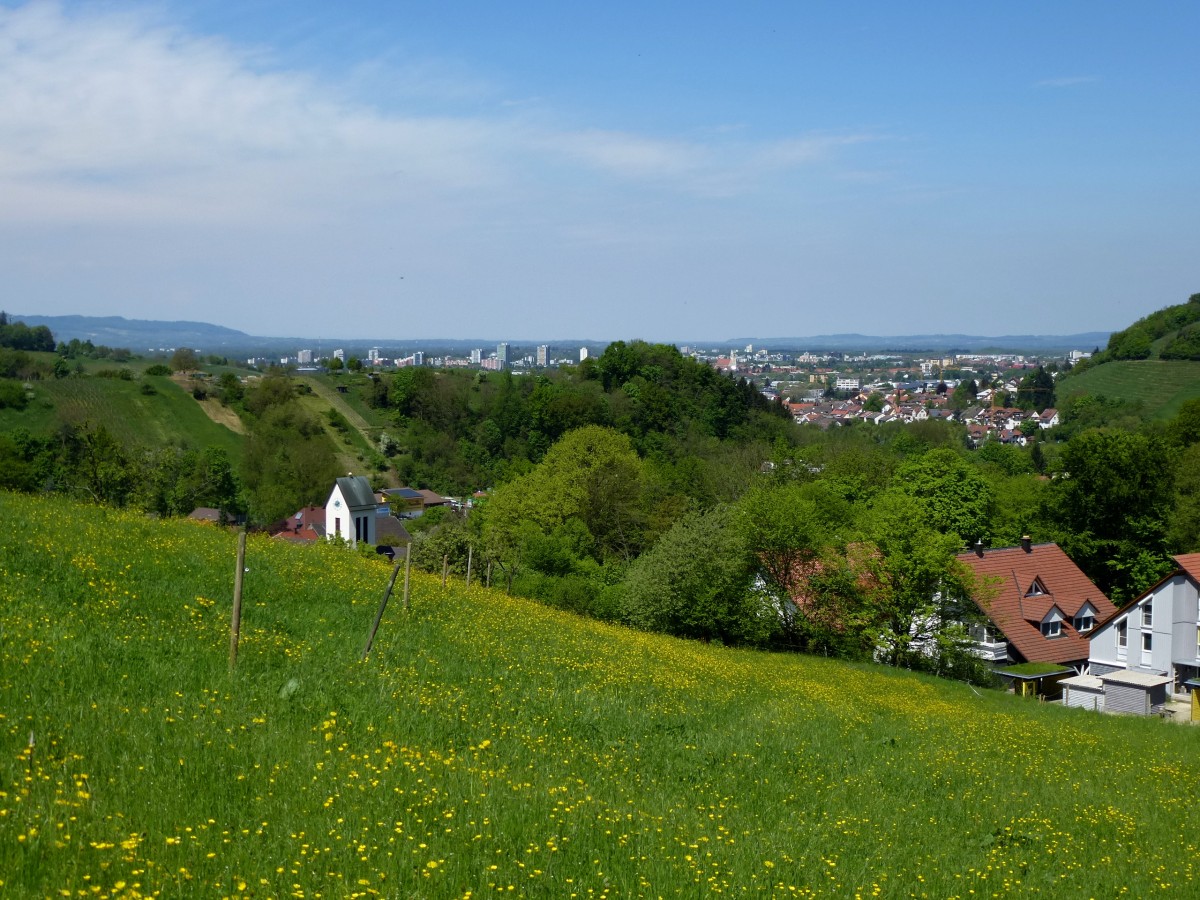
1161 386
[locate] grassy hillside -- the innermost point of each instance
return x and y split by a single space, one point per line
490 745
169 416
1160 385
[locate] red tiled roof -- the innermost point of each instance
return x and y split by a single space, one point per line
1190 563
307 524
1011 571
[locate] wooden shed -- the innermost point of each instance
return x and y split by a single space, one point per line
1139 693
1192 686
1083 692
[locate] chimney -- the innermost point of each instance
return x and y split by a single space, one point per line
1026 543
979 549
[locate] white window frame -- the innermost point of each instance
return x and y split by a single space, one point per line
1052 629
1148 614
1084 624
1147 646
1122 637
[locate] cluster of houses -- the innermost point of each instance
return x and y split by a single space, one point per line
357 514
1007 425
1051 631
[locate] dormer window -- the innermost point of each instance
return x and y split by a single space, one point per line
1036 589
1052 629
1084 623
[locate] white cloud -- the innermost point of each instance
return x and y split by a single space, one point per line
119 116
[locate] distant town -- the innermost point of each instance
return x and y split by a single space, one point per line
827 388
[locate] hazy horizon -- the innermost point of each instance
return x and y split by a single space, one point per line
669 172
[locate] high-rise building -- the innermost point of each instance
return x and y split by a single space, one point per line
476 357
543 355
583 353
304 357
339 354
502 355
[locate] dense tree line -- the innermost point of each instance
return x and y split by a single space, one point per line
19 336
89 464
461 430
839 541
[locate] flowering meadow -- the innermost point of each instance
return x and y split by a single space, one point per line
490 746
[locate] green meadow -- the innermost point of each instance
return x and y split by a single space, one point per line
169 416
490 746
1161 386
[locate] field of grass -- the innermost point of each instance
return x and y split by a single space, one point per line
167 417
492 746
351 404
1162 386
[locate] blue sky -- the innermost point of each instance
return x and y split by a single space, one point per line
671 171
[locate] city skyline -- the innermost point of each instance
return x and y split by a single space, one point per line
672 173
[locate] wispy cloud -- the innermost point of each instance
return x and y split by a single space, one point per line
1067 81
122 115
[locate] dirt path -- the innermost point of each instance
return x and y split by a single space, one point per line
212 407
334 399
222 415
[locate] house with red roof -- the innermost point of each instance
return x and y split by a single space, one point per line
1157 634
304 526
1039 605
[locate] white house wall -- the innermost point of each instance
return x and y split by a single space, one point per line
1173 631
340 517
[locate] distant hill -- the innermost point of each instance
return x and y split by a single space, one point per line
141 335
138 335
969 343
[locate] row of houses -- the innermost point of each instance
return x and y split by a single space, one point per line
1004 424
1041 609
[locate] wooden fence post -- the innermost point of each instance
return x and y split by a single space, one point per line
407 564
445 568
489 574
235 622
470 550
382 606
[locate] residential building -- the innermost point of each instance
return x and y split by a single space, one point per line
1039 605
350 511
1158 634
304 357
502 356
543 355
